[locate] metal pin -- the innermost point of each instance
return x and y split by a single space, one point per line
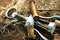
51 27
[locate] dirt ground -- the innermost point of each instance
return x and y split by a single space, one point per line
45 8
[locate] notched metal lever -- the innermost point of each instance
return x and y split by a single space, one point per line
30 27
12 12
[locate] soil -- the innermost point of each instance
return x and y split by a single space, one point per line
45 8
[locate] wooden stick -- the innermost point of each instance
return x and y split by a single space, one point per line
57 23
33 9
30 31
